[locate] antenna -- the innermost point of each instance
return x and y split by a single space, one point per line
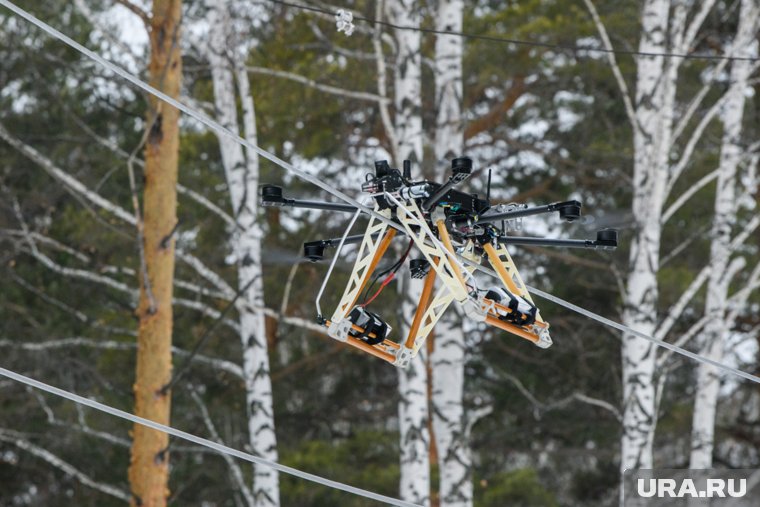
488 188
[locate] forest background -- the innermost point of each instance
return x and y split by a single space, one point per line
665 149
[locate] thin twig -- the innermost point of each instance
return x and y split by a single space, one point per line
206 335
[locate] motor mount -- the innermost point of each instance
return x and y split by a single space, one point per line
314 251
371 323
607 238
569 210
271 195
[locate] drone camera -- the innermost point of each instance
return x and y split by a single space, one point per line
314 251
271 195
570 210
607 238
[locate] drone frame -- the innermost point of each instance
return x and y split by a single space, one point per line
444 264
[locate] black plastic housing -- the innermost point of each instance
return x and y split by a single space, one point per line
314 251
271 195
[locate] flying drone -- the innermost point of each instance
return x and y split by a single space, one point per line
447 226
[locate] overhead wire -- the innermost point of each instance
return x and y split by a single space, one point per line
503 40
337 193
328 188
199 440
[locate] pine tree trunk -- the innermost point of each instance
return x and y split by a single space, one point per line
413 381
717 329
242 174
448 356
149 463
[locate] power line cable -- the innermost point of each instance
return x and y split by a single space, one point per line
328 188
503 40
199 440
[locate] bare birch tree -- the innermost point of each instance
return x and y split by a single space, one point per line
717 306
660 159
241 169
408 135
449 352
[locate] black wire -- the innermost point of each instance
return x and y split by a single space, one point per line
394 268
206 335
547 45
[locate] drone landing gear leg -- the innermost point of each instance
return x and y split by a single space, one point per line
538 332
377 239
429 312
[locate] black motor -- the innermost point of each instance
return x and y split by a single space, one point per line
371 323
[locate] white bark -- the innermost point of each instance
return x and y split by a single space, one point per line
655 87
414 435
450 426
242 174
407 81
449 351
413 381
716 304
449 133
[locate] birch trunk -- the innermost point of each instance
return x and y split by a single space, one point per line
149 461
651 148
413 381
242 173
448 356
716 307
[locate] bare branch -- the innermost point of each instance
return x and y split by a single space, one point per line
235 471
691 32
107 33
697 100
736 301
114 147
288 286
216 363
207 273
136 10
599 403
62 465
80 316
683 198
207 311
192 194
700 233
76 273
629 110
334 90
69 182
48 241
696 136
677 309
139 224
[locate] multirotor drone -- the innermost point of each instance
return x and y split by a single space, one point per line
454 231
